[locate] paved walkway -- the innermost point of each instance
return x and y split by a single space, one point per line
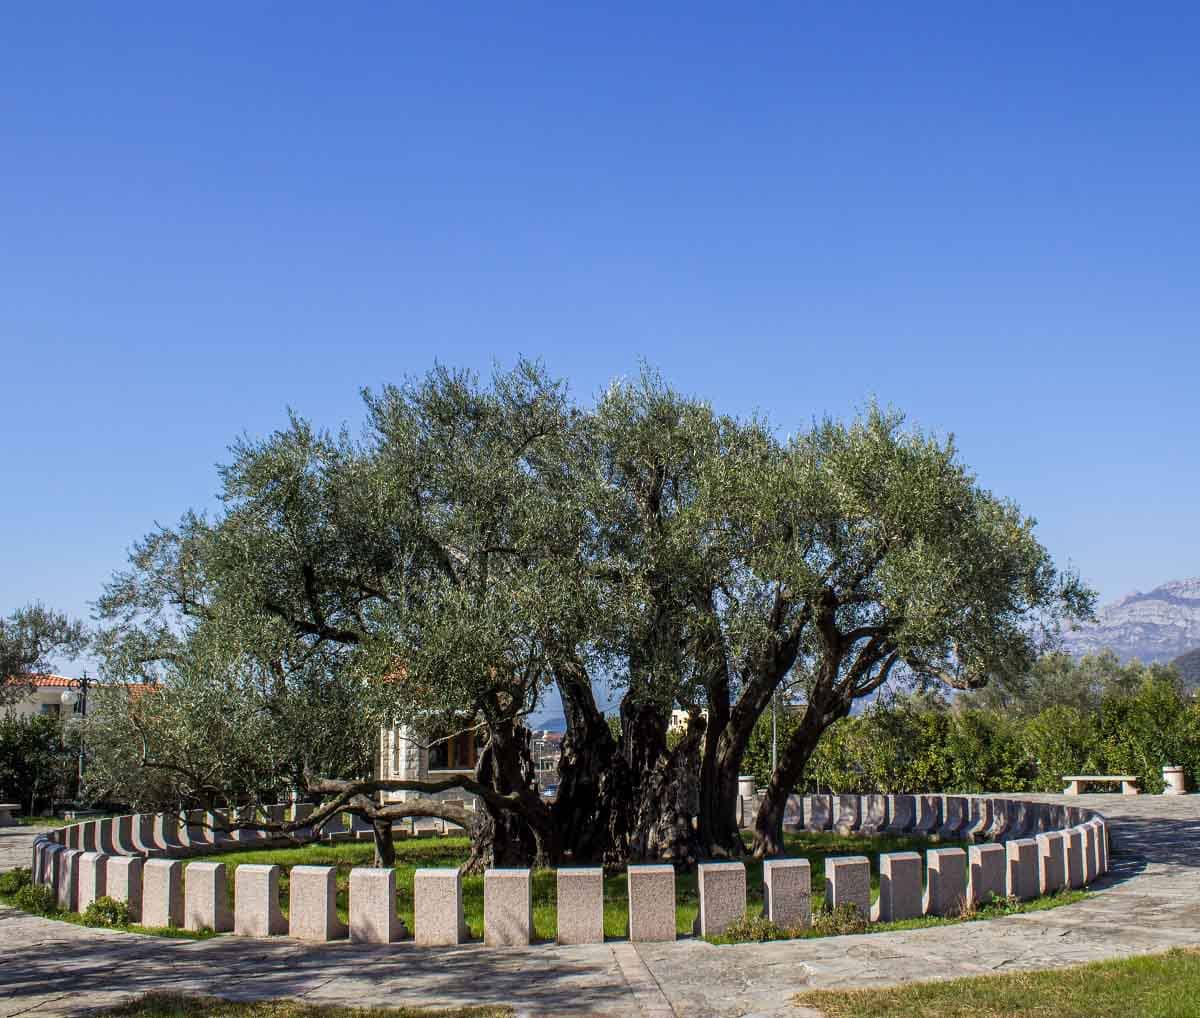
1150 901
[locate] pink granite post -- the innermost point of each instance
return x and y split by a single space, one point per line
1022 868
1052 862
437 907
787 892
162 893
312 904
256 911
581 905
946 873
125 883
206 898
651 902
93 878
68 880
373 918
848 882
507 907
900 887
722 896
987 873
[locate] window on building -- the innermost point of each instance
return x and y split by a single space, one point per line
457 753
50 709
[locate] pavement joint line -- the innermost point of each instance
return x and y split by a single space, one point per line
646 991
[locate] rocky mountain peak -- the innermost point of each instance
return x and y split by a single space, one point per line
1157 625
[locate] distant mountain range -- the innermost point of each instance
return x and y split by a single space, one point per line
1160 625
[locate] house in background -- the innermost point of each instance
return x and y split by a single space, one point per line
405 756
45 697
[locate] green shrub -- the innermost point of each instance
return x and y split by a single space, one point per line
13 881
753 929
843 919
106 911
36 899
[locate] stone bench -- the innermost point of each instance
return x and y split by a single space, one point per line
1128 782
6 813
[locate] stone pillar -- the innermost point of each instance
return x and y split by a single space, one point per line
373 918
123 836
93 878
787 892
164 831
899 887
143 835
929 815
947 881
68 880
1097 845
193 835
902 810
581 905
848 882
722 896
817 812
301 811
1022 868
979 818
849 814
987 873
51 864
1073 856
104 837
256 911
1052 862
312 904
74 837
999 825
746 786
89 836
206 898
954 817
125 883
651 903
437 907
507 907
793 814
1173 777
874 814
162 893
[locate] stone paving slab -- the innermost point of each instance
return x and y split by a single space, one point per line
1150 902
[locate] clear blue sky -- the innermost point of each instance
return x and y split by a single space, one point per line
986 215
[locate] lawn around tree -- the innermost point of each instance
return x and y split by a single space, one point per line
412 854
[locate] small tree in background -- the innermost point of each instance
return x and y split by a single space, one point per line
29 638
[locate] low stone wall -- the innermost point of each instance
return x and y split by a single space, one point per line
1018 848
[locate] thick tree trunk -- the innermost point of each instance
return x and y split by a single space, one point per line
520 837
768 822
385 848
594 802
667 800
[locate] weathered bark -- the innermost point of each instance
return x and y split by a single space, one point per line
516 837
385 848
667 799
593 805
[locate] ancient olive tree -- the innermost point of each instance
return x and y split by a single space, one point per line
479 545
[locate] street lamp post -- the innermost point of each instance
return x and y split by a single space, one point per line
76 693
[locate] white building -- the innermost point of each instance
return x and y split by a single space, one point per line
45 697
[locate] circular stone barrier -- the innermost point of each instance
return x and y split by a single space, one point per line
1018 848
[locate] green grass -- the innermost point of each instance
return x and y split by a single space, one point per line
1154 986
176 1005
43 821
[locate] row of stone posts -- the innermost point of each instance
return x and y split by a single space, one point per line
160 892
